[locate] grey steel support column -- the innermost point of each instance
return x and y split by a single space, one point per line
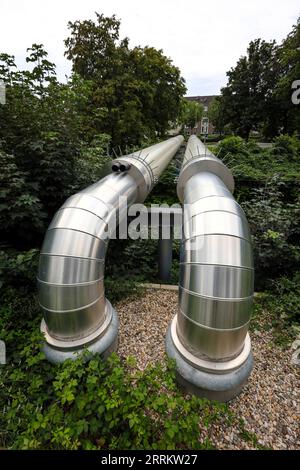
165 256
168 221
208 338
76 313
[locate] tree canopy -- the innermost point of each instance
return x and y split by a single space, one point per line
54 136
257 96
138 89
191 113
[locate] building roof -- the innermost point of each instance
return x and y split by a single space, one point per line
205 100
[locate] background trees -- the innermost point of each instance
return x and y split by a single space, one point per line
191 113
216 113
257 96
55 138
247 98
289 56
138 90
40 141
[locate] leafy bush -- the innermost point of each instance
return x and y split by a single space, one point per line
279 307
287 289
253 166
97 405
18 268
139 263
252 147
231 145
92 163
132 259
52 166
165 191
212 137
21 210
275 228
78 404
286 146
120 288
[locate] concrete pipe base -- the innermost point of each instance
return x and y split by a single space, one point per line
104 344
215 381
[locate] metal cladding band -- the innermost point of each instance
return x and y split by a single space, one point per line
216 266
71 267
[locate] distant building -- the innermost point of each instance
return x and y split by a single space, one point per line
204 126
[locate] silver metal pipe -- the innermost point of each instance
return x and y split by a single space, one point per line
71 268
216 267
216 275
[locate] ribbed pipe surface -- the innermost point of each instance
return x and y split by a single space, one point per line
216 265
71 267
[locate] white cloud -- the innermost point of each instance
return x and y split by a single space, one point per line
204 38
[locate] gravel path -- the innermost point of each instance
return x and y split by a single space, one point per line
269 402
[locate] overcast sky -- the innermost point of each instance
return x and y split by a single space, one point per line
204 38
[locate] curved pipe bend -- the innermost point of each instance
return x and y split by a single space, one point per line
72 259
216 265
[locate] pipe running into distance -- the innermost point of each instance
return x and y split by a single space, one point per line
209 337
71 268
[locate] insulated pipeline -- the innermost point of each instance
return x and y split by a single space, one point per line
72 259
216 266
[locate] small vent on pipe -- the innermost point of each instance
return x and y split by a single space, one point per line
124 166
115 167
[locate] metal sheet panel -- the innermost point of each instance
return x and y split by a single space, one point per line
216 264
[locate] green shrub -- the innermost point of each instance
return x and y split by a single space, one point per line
120 288
165 191
92 163
232 146
252 147
286 146
278 309
275 228
98 405
132 259
21 210
18 268
212 137
253 166
287 289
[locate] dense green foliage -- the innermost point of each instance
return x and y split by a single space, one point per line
138 90
44 157
191 113
57 138
279 306
258 95
106 404
275 228
253 166
84 404
98 405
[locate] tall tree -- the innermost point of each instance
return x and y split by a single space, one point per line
289 57
139 90
93 47
192 113
39 142
248 96
216 114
